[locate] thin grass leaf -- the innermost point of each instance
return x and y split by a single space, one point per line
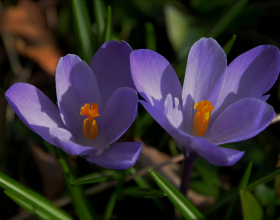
264 179
183 205
27 205
142 192
112 201
93 178
79 200
229 44
83 27
251 208
231 208
228 17
220 203
142 183
250 187
99 11
177 26
243 183
246 176
151 42
108 31
31 197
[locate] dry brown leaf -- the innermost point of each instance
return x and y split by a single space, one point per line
50 172
150 156
33 39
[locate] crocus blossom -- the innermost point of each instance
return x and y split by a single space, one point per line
218 103
96 105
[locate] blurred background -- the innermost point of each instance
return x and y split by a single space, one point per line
35 34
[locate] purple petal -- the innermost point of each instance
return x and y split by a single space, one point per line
119 156
153 76
62 78
265 97
119 113
260 65
204 77
64 140
35 109
169 117
205 71
76 86
216 155
111 68
173 111
240 121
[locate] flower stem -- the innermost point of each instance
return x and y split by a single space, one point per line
79 199
189 161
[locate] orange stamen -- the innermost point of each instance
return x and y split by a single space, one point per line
202 117
90 127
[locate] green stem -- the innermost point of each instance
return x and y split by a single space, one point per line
114 196
78 197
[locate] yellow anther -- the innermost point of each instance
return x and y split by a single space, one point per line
202 117
90 127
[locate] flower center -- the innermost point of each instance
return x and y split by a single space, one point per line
202 117
90 128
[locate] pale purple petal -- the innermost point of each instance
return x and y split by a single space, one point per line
218 156
62 78
153 76
265 97
240 121
78 88
206 68
250 75
34 108
119 113
173 111
111 68
119 156
64 140
169 117
205 71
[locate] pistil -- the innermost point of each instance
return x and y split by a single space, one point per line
90 127
202 117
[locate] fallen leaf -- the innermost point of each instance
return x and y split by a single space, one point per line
50 172
33 39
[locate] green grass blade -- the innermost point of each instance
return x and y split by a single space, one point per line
151 42
83 27
231 208
114 196
220 203
177 26
229 44
228 17
78 197
243 183
108 31
93 178
249 187
251 208
246 176
15 188
264 179
99 10
184 206
27 205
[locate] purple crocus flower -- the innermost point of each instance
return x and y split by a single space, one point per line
218 103
96 105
